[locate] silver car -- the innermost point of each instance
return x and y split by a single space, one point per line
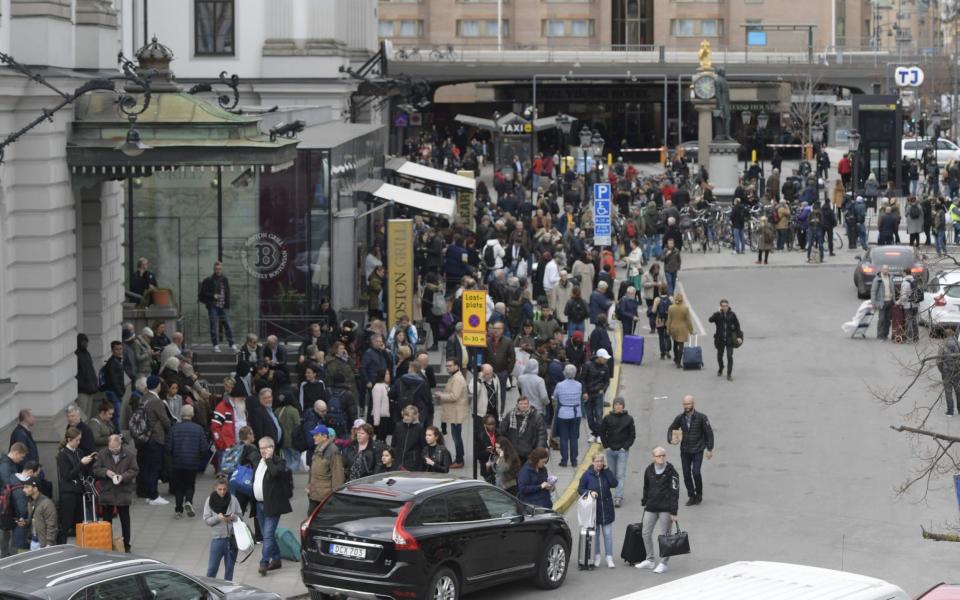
71 573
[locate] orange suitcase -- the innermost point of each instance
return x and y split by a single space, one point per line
96 535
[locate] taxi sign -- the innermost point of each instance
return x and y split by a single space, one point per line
474 304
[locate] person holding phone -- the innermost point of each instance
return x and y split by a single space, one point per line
72 469
219 512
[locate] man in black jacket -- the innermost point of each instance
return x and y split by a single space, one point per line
525 428
661 494
215 295
272 489
697 436
617 434
727 337
87 381
113 385
595 379
261 419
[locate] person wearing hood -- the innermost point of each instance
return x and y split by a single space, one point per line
575 350
617 434
524 427
534 388
88 383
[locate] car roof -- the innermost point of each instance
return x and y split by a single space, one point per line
783 581
402 485
942 591
63 566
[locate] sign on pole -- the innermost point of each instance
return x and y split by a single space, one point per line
908 76
398 288
474 304
465 203
601 214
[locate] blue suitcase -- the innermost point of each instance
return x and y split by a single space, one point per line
692 355
632 349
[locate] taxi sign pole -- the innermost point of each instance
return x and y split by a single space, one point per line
474 310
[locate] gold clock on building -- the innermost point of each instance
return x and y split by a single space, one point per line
704 87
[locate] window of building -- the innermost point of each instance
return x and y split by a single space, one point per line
711 27
480 28
632 23
213 27
581 28
554 28
682 27
407 29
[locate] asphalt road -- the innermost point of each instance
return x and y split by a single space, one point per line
805 466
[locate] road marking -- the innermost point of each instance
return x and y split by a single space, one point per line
696 320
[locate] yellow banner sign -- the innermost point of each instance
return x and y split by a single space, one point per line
399 284
465 202
474 304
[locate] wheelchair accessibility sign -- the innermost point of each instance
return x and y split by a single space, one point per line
601 214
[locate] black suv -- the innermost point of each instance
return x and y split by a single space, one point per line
68 572
428 536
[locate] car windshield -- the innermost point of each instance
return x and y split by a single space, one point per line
359 515
892 258
950 288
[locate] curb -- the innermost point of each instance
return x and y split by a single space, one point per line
569 495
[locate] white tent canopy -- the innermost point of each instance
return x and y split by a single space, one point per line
418 200
422 173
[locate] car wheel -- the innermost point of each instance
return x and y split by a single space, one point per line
552 568
444 585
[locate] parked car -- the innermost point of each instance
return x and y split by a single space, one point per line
418 535
68 572
942 591
941 303
771 580
946 150
897 258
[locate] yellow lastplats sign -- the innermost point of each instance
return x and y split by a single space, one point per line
399 284
474 318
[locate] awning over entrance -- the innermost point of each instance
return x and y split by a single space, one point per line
400 195
423 174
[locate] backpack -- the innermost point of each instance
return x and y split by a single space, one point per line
231 458
438 304
335 415
663 306
631 229
408 394
916 292
489 257
578 312
7 512
914 212
102 377
298 439
446 327
775 216
139 425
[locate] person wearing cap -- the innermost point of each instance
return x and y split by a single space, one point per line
617 434
575 350
43 516
151 455
595 379
326 467
600 339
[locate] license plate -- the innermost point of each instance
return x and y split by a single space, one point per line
348 551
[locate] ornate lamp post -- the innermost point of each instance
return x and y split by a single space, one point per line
585 136
853 144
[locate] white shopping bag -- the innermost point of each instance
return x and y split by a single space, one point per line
243 535
586 511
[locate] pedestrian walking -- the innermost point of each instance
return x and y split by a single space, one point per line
661 497
906 300
576 311
534 482
765 239
651 282
695 437
671 264
617 434
628 310
326 468
595 378
272 490
567 395
661 309
115 470
220 510
727 336
948 362
598 481
215 295
454 408
679 325
525 428
883 294
9 465
151 456
186 449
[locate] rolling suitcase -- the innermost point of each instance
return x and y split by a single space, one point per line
897 330
93 534
633 551
632 349
692 355
585 542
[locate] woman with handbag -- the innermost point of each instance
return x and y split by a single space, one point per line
219 512
598 481
661 497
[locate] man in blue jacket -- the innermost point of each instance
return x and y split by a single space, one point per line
187 447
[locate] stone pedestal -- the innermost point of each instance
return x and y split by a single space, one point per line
704 131
724 167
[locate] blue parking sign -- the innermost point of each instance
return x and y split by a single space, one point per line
601 214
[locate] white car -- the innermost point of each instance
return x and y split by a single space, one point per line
941 303
946 150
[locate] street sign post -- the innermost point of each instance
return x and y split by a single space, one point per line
601 214
474 304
